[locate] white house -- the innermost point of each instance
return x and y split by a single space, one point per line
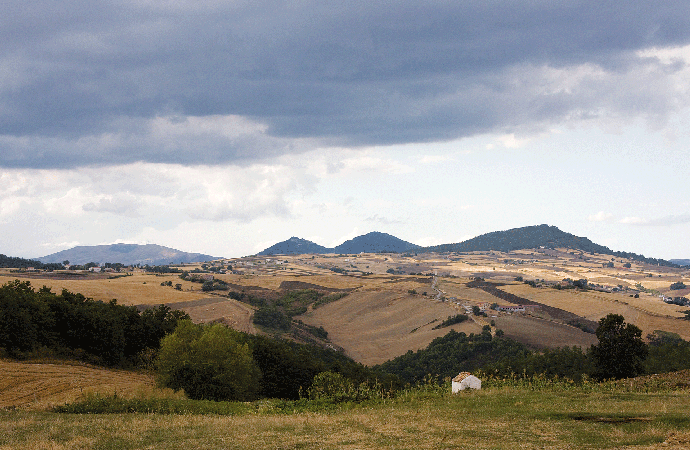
465 380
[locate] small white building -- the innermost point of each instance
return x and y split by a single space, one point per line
465 380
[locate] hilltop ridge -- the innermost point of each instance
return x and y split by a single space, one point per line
372 242
534 236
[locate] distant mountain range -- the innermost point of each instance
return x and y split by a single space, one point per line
128 254
535 236
369 243
514 239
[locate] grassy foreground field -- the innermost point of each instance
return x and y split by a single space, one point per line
644 413
495 418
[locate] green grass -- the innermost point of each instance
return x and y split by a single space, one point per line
502 416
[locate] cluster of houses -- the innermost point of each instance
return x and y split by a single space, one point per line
485 306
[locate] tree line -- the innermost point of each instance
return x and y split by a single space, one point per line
21 263
69 324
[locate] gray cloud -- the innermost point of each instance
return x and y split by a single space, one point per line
87 83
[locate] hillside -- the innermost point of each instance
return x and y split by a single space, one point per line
536 236
295 246
129 254
374 242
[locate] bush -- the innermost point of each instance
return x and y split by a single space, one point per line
208 362
336 388
452 320
677 286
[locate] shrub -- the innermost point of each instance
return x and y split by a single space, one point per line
677 286
336 388
208 362
452 320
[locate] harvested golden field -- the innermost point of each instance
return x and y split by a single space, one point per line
42 385
273 281
146 289
592 303
375 326
540 333
647 312
138 289
234 314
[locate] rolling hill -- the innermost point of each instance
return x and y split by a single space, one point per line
536 236
373 242
128 254
295 246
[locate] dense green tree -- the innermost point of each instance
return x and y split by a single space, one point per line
621 352
272 318
667 352
209 362
26 321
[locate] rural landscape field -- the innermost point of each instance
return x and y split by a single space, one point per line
386 314
373 308
344 225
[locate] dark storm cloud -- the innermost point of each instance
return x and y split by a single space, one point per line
81 82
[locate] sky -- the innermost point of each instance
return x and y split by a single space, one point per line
223 127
